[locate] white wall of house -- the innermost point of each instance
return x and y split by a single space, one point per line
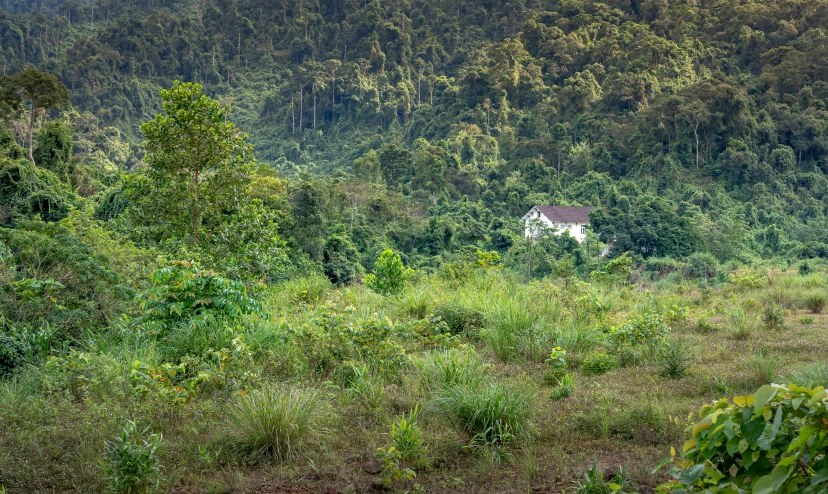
576 230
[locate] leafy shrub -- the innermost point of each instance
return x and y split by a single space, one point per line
564 388
599 363
408 452
594 482
131 464
749 280
488 259
773 317
662 266
643 330
308 289
771 441
815 301
556 364
704 326
804 268
493 414
334 335
183 291
806 320
617 271
54 276
459 318
277 420
390 274
12 352
702 265
675 358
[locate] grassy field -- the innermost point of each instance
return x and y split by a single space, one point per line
299 396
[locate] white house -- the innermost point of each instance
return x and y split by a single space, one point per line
575 220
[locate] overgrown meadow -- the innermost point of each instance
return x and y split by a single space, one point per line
466 379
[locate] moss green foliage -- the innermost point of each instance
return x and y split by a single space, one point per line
770 441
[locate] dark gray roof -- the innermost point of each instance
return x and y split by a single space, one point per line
566 214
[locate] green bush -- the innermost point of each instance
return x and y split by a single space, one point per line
565 386
599 363
646 330
459 318
492 414
771 441
702 265
773 317
390 274
277 420
408 452
12 352
131 464
675 358
183 291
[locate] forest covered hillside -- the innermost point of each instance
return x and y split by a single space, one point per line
452 118
275 246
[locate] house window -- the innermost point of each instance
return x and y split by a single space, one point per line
583 229
569 227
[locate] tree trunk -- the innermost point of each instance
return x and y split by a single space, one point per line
293 113
31 132
301 107
419 87
696 133
196 211
313 90
92 17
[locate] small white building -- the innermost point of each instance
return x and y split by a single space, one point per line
558 219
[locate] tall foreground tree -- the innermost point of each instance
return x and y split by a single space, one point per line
41 90
199 163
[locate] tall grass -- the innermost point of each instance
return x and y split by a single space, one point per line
277 420
815 301
578 337
812 376
761 367
417 302
742 322
509 321
493 414
441 369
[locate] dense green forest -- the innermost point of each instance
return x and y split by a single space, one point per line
430 127
275 246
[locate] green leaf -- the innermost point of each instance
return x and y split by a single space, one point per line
764 395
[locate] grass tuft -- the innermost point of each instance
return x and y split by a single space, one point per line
493 414
277 420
